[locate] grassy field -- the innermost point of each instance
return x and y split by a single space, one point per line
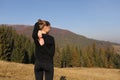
16 71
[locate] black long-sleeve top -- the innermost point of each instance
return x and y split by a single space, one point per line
45 53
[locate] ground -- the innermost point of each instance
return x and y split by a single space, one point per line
17 71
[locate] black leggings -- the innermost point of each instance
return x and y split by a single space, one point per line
41 68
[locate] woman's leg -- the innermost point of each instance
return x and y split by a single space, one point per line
49 72
38 73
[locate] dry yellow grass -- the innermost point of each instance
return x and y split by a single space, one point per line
16 71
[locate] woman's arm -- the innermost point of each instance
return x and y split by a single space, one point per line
35 31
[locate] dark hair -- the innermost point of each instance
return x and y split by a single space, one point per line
43 23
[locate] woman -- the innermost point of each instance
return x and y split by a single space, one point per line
44 50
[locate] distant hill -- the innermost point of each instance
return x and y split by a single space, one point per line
64 37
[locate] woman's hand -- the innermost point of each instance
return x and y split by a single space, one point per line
39 33
41 40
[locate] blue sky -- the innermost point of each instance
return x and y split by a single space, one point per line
97 19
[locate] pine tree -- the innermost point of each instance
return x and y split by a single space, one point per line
75 57
66 56
58 56
86 60
81 58
116 61
90 55
6 42
18 51
102 60
95 54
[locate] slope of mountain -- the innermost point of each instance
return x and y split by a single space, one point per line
64 37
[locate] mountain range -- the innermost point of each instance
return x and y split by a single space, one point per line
64 37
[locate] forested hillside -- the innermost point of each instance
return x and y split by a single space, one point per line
20 48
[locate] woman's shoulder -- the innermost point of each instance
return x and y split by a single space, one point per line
51 37
48 39
48 36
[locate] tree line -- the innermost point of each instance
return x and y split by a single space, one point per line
19 48
90 56
15 47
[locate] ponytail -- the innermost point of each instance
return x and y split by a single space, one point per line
43 23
